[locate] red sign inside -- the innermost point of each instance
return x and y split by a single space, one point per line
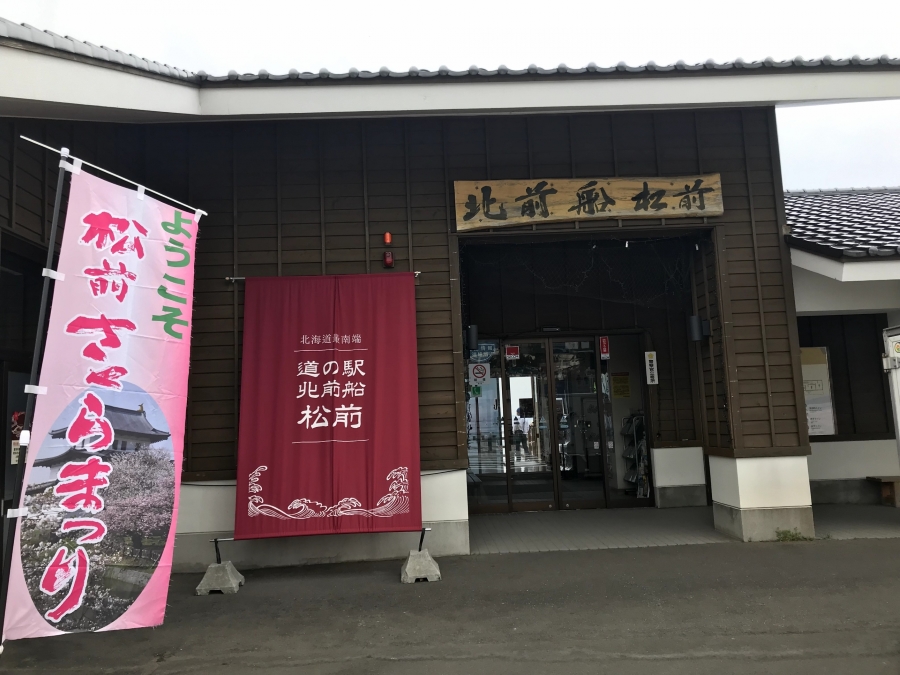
512 352
604 348
329 427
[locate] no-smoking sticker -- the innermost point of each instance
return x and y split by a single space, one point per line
478 373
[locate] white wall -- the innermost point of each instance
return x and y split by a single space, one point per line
209 506
444 496
817 294
760 482
674 467
853 459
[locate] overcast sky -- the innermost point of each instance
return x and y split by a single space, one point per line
824 146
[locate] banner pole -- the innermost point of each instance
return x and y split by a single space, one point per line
12 516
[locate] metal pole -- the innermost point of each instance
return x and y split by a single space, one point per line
891 336
477 426
10 520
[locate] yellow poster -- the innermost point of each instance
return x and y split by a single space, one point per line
621 385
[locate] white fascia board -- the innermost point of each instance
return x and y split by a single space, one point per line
833 269
549 96
27 76
864 270
45 85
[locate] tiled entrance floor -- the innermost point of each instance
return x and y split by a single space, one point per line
632 528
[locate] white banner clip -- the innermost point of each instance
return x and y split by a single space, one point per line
197 215
74 167
35 389
53 274
140 192
16 513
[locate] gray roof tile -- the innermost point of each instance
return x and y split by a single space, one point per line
855 223
48 39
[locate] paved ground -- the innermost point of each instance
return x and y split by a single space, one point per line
794 608
635 528
591 529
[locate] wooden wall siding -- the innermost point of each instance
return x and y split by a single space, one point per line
710 353
313 197
23 192
272 189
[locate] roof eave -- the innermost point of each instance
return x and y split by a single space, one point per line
192 80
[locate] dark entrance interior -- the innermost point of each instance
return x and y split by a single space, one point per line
20 298
559 414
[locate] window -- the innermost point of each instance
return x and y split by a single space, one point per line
862 402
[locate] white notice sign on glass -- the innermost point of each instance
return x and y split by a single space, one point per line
652 367
817 391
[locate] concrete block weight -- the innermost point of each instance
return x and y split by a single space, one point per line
418 566
221 577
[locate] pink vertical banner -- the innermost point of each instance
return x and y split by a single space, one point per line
93 551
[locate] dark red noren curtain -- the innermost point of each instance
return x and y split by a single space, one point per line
329 428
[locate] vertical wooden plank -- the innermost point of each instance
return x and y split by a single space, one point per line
726 321
615 154
853 406
712 351
672 372
662 221
530 161
365 172
573 170
278 221
13 164
699 381
487 148
234 284
634 304
775 164
788 277
534 296
448 185
189 412
45 212
710 340
462 452
758 275
321 159
409 232
456 329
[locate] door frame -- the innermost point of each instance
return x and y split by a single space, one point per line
602 503
649 399
558 503
507 430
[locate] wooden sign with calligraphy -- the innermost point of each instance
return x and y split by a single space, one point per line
505 203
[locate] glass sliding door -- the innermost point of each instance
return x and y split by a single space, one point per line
579 435
530 435
485 431
539 416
